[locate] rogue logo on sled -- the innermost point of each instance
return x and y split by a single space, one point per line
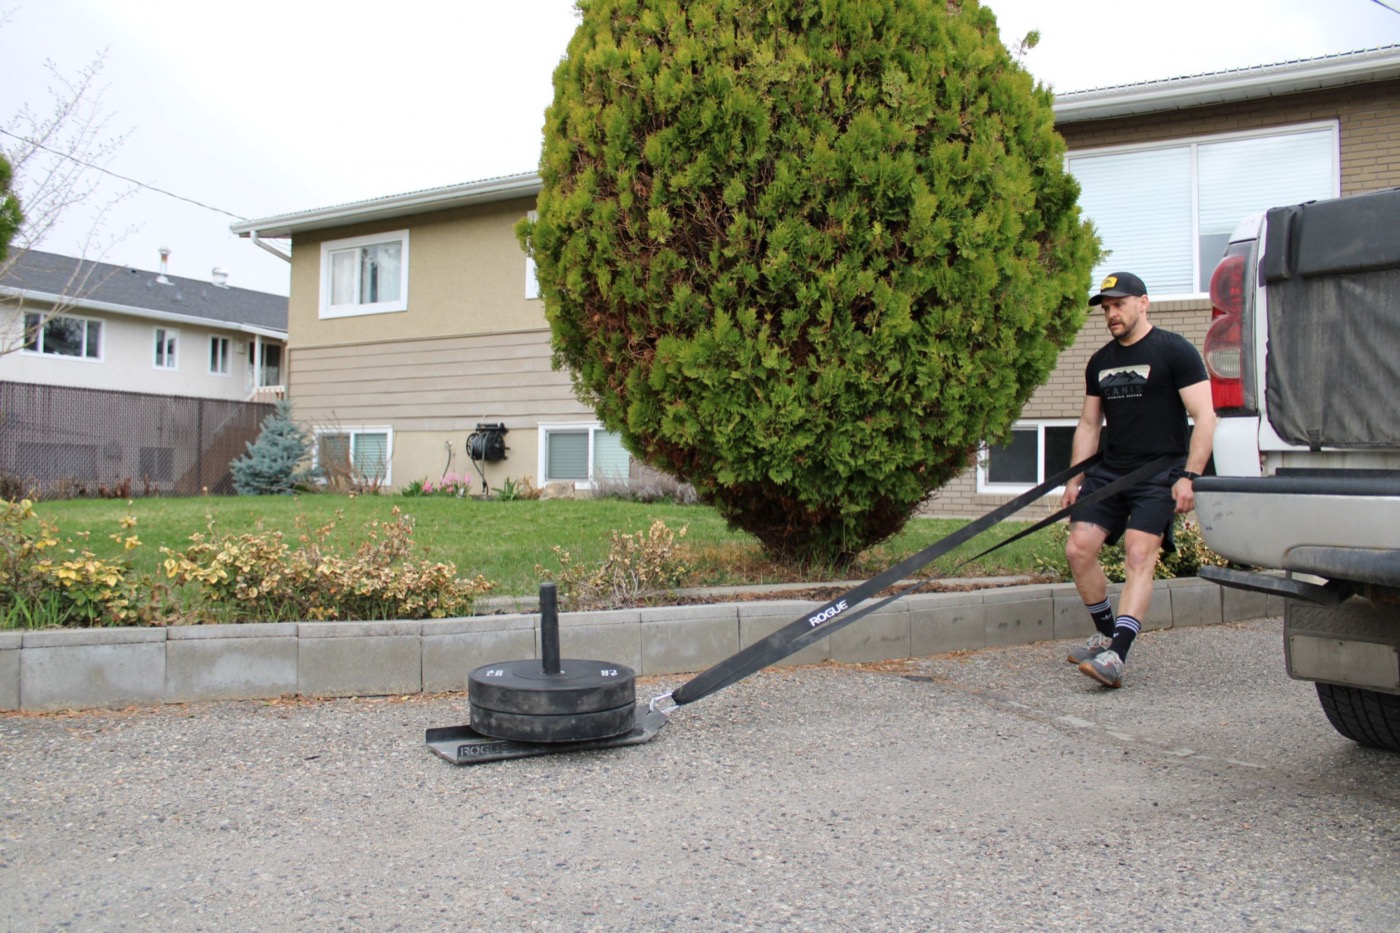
830 612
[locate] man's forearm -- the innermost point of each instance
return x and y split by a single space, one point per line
1202 441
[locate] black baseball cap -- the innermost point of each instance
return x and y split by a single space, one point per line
1119 285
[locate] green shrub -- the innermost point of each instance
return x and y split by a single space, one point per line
1191 555
450 486
805 256
518 490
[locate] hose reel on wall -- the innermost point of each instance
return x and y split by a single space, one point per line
487 443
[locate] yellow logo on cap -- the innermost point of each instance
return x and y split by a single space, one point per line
1109 282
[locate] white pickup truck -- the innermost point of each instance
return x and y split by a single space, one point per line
1304 360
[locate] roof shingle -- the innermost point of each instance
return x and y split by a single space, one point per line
84 280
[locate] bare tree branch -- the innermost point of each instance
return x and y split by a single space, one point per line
59 155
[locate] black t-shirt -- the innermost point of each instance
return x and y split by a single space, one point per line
1140 388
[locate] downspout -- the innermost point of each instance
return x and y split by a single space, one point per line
253 235
257 338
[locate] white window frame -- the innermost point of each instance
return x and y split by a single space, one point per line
220 352
39 338
356 309
1193 144
986 487
353 432
166 348
532 281
594 428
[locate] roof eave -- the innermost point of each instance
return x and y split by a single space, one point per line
1224 87
399 205
67 303
1381 64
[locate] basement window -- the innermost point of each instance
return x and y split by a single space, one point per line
1035 451
582 454
358 455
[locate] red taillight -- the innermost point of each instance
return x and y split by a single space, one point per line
1224 357
1227 285
1226 353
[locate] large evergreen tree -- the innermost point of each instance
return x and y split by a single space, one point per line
805 254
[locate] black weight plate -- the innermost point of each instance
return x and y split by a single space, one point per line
523 687
572 727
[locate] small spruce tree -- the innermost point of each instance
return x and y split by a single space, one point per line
274 462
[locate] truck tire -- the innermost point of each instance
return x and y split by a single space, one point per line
1367 717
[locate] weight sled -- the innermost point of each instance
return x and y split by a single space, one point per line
463 745
542 708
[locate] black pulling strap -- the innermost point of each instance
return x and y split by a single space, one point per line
841 611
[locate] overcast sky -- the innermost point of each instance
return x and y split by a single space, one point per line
260 108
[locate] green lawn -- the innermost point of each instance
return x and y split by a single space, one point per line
504 541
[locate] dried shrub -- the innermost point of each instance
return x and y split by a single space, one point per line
14 487
654 487
259 576
118 490
46 580
638 566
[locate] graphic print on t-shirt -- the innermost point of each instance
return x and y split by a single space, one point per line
1124 382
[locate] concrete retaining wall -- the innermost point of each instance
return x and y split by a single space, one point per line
88 668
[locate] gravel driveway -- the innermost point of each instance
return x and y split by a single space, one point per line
992 790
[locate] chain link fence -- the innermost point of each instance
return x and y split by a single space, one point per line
64 442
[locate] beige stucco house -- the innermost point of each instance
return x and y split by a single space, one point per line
414 317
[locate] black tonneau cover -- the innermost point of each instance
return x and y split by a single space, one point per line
1332 269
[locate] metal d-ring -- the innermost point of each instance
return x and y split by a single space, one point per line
656 701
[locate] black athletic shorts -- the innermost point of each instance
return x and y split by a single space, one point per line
1148 506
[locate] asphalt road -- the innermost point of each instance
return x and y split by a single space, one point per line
994 790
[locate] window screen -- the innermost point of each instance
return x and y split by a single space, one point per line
610 458
567 455
371 455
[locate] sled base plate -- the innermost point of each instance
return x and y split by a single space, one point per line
463 745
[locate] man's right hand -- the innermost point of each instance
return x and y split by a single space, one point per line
1071 494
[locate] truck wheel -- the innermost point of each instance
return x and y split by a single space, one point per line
1364 716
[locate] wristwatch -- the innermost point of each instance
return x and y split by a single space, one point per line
1187 474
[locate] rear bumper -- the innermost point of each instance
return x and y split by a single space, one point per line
1333 524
